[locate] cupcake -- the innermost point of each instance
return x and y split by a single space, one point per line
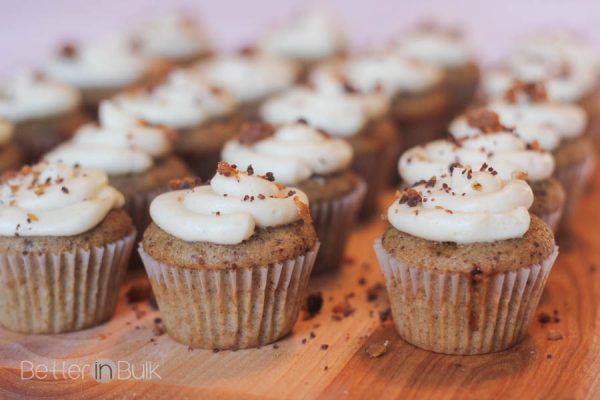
11 156
204 116
310 37
64 246
554 127
417 97
99 69
250 76
447 49
44 112
568 78
317 164
171 39
343 115
229 262
478 140
136 156
464 262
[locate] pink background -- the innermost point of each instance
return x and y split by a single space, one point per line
30 29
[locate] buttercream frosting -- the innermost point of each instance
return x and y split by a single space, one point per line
230 209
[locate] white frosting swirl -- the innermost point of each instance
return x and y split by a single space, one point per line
548 123
6 132
29 96
228 210
503 151
328 78
293 154
55 200
312 35
184 100
111 63
121 144
171 35
338 114
436 47
391 72
250 77
464 208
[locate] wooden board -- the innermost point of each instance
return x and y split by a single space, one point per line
300 367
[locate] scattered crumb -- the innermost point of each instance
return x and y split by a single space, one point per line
152 303
324 346
312 335
549 356
348 260
375 350
313 305
102 336
593 268
342 310
275 346
362 281
554 335
304 341
190 348
374 292
326 368
385 315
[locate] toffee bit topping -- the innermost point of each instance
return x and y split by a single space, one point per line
411 198
455 164
431 182
250 170
531 91
535 146
31 217
302 121
477 186
225 169
520 175
68 50
485 120
270 177
65 190
185 183
253 132
348 87
483 167
303 210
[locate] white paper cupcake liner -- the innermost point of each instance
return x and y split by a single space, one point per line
333 222
573 179
230 308
54 293
448 313
552 219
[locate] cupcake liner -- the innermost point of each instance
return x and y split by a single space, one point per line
333 221
376 170
552 219
137 206
54 293
232 308
446 312
573 179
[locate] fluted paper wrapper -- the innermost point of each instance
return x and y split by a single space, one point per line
55 293
138 207
552 219
230 308
333 222
447 313
573 179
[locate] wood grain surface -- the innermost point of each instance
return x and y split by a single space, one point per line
559 359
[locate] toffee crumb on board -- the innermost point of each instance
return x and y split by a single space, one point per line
313 305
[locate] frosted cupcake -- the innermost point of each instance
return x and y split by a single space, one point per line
558 128
342 115
11 156
137 157
479 141
250 76
99 69
229 262
464 262
44 112
171 39
203 115
317 164
64 245
417 97
308 38
449 50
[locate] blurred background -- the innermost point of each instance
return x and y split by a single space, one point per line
31 29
